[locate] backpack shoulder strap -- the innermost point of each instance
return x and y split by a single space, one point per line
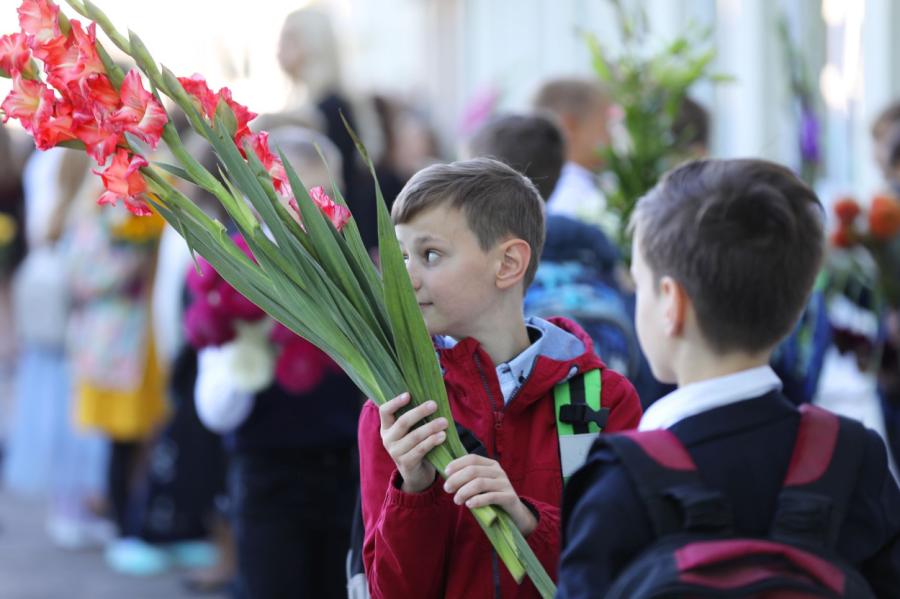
820 478
580 417
668 483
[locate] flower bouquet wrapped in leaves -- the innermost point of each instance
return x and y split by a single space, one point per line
309 269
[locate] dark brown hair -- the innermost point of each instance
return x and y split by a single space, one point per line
531 144
744 238
497 201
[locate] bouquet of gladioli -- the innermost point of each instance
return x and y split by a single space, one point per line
309 268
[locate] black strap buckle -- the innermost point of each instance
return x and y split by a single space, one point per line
583 414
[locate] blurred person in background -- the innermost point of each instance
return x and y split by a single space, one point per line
12 250
581 109
291 433
309 54
118 379
49 455
175 495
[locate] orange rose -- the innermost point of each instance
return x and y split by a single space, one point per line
884 217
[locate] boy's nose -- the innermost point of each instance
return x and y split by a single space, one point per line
413 276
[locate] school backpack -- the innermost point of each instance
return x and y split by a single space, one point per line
697 553
577 291
580 418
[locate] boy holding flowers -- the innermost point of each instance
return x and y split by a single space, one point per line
472 232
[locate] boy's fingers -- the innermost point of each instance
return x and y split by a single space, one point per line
414 457
483 499
461 477
387 409
402 442
477 487
416 414
468 460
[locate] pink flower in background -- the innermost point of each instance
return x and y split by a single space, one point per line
39 19
233 305
123 181
141 113
301 366
205 326
202 279
14 54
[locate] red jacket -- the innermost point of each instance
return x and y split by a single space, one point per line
422 545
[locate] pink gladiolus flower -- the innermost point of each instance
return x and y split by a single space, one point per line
89 62
337 214
259 143
204 325
242 116
15 56
196 87
207 101
39 19
122 180
28 101
100 140
60 56
59 127
141 113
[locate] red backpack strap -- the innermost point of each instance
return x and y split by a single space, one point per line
669 484
820 479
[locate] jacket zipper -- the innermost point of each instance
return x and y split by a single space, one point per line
495 560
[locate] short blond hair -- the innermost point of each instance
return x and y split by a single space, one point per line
571 96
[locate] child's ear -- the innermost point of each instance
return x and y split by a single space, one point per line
515 255
676 303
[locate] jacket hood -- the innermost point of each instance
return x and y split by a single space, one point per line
563 350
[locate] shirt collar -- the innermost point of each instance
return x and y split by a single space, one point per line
703 396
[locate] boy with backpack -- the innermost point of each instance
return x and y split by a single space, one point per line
729 489
471 232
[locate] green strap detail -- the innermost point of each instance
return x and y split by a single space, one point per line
593 387
561 398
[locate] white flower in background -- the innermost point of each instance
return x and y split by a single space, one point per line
251 356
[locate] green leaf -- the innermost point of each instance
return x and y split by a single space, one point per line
175 170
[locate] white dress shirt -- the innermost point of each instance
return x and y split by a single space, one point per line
703 396
577 194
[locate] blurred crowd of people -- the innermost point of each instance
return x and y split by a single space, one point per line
130 412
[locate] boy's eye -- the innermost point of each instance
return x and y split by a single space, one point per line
405 258
431 256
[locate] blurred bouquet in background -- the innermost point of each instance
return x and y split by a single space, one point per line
863 267
649 89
